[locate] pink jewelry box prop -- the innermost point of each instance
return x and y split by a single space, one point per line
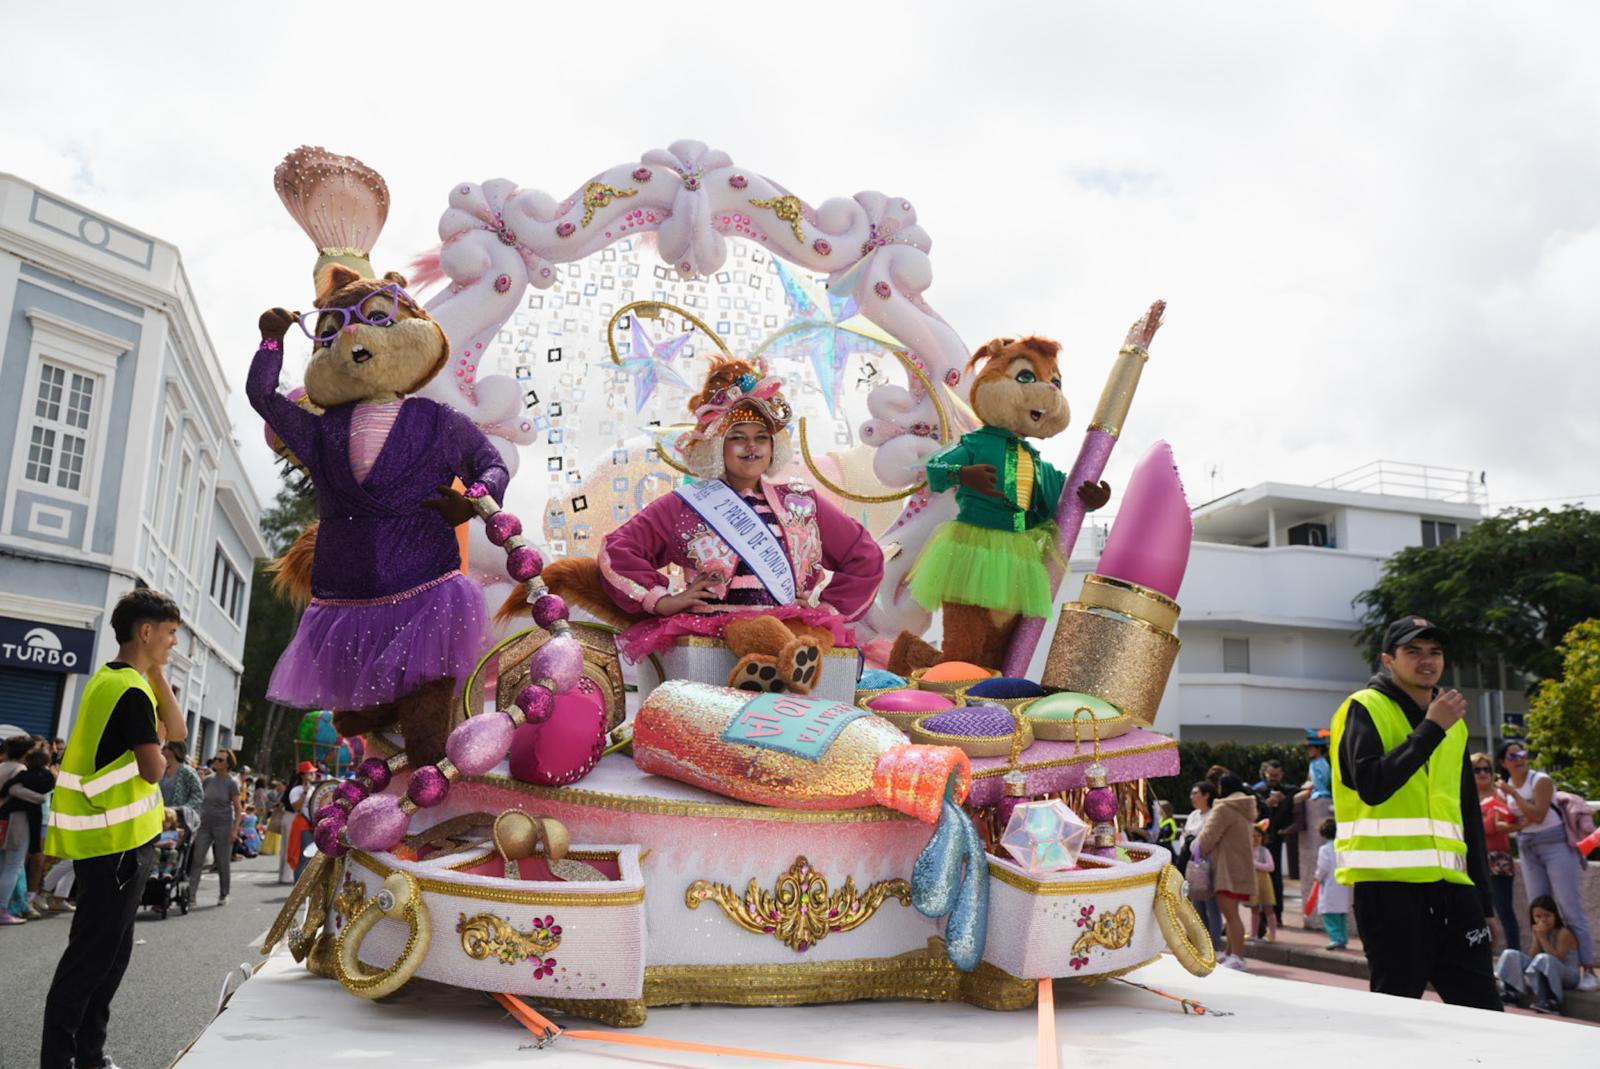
1059 766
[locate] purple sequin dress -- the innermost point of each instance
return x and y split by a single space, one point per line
390 609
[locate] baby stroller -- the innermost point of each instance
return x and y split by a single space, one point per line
170 887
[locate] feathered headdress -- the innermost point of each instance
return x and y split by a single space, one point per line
340 202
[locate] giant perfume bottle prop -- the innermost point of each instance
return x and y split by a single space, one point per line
807 753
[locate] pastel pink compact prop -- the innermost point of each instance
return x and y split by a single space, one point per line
564 748
911 701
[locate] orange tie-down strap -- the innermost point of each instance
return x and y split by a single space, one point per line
547 1032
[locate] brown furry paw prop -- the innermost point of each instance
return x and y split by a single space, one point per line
800 664
910 653
756 672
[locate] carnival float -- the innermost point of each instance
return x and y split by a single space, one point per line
712 750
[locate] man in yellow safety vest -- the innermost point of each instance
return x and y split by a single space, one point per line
1410 839
105 816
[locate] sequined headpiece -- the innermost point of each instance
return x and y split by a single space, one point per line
755 397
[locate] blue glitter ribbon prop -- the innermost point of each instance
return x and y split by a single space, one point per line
951 879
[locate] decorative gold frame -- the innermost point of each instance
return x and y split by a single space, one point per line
799 912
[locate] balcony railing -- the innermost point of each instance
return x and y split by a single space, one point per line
1427 481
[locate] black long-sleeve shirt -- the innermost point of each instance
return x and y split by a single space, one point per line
1375 773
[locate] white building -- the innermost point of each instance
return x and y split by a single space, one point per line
119 467
1269 622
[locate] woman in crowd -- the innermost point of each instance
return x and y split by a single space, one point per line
1225 843
1546 974
1550 865
22 794
180 784
1499 822
1201 797
220 814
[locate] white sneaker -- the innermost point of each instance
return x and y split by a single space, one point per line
1588 982
1234 961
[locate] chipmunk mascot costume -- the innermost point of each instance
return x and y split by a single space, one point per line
754 553
990 565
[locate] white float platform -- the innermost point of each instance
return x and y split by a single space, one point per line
285 1016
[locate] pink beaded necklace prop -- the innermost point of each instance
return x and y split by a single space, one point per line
363 817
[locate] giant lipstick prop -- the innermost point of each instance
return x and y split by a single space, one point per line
1109 416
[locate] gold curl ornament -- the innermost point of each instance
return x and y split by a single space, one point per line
799 912
920 376
1113 931
1181 925
400 899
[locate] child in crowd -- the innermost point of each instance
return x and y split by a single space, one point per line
247 843
1264 898
1547 974
1333 897
167 845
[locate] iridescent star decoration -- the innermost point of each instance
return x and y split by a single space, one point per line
825 329
1044 836
652 363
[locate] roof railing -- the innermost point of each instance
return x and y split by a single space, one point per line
1427 481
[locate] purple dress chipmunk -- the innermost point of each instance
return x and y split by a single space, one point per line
392 624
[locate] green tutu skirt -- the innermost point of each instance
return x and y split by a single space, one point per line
1005 570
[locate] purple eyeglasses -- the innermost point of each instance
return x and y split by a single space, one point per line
320 329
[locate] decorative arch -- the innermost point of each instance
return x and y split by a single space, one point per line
499 239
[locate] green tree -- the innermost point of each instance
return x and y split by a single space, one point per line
1511 586
1564 715
268 726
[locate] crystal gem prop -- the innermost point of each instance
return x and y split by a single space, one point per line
1044 836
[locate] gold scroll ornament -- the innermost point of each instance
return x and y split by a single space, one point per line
1112 931
799 912
789 209
485 935
598 195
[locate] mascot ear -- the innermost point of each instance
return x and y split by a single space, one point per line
396 277
988 351
332 279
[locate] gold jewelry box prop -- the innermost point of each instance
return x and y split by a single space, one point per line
1122 652
710 661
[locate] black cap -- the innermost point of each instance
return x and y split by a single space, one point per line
1409 628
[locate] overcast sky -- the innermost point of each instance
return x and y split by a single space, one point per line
1377 225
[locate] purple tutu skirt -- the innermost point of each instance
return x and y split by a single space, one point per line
350 654
661 632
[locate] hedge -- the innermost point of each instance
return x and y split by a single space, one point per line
1195 757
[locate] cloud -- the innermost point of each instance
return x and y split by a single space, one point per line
1377 227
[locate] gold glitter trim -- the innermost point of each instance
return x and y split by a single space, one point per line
919 974
320 962
1073 887
612 1012
1111 414
949 688
601 665
700 642
345 250
1112 931
799 912
485 935
398 900
1130 599
462 889
597 195
1111 727
628 803
1029 766
352 896
788 208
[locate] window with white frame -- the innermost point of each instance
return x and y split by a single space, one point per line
180 497
1236 655
227 586
158 488
58 444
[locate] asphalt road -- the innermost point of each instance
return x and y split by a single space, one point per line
170 991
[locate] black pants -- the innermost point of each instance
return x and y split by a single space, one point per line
1421 933
78 1007
1504 890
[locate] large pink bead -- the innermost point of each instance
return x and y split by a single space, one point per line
332 809
428 786
1100 804
377 823
478 743
326 835
524 563
536 703
351 792
548 609
501 526
375 770
559 660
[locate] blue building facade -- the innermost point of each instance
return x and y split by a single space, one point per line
117 466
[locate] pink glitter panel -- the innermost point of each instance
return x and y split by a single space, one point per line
1136 755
